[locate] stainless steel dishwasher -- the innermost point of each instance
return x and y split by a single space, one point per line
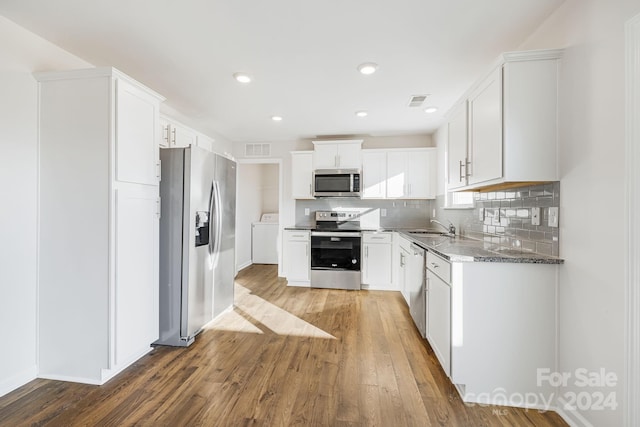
416 287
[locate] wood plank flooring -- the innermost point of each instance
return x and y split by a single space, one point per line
284 356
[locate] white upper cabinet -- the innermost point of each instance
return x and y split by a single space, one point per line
411 174
181 136
344 154
136 135
457 147
163 141
511 127
174 134
205 142
302 174
485 130
374 174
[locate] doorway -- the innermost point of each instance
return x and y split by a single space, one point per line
259 192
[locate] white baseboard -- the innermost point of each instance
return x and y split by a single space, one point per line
299 284
244 265
573 418
15 381
81 380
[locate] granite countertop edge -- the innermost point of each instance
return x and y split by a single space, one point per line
453 252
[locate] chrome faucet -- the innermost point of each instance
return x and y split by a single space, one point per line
451 228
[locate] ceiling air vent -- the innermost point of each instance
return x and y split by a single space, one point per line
257 150
417 100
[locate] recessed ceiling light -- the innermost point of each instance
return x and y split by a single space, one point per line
368 68
242 77
362 113
276 118
430 110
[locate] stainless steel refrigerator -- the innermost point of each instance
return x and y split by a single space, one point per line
197 241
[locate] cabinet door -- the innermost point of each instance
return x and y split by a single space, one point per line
136 273
376 265
403 284
205 142
136 132
349 156
374 175
457 148
325 156
485 130
295 256
439 319
397 177
182 136
301 175
421 166
163 140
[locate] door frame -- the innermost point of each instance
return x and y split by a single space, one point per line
272 161
632 267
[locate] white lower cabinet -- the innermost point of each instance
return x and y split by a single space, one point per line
296 257
438 309
376 261
492 326
403 251
136 287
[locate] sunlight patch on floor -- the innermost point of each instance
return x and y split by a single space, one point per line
234 322
264 315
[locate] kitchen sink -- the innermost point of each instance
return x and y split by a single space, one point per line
429 232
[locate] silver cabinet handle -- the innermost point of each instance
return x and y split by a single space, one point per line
434 265
298 235
376 237
165 133
461 166
173 132
467 168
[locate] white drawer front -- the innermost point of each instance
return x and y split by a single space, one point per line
296 235
440 266
376 237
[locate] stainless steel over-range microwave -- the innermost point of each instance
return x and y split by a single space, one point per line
336 183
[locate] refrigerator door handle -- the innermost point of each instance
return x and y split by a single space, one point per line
217 224
212 209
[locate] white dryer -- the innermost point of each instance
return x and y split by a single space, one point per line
264 239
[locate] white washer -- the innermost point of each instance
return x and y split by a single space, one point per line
264 239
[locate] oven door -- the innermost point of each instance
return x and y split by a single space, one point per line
335 251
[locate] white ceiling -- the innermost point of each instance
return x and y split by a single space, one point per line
302 55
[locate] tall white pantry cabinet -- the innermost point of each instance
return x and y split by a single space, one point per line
98 223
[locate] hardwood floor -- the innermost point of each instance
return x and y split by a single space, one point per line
284 356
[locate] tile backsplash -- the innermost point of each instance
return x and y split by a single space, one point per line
505 218
397 213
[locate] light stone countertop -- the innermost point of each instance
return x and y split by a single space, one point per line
463 249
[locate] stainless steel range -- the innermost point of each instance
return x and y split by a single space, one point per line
335 250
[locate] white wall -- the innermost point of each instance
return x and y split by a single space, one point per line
591 282
592 101
21 53
248 210
269 187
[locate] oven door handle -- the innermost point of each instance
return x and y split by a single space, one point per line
334 234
